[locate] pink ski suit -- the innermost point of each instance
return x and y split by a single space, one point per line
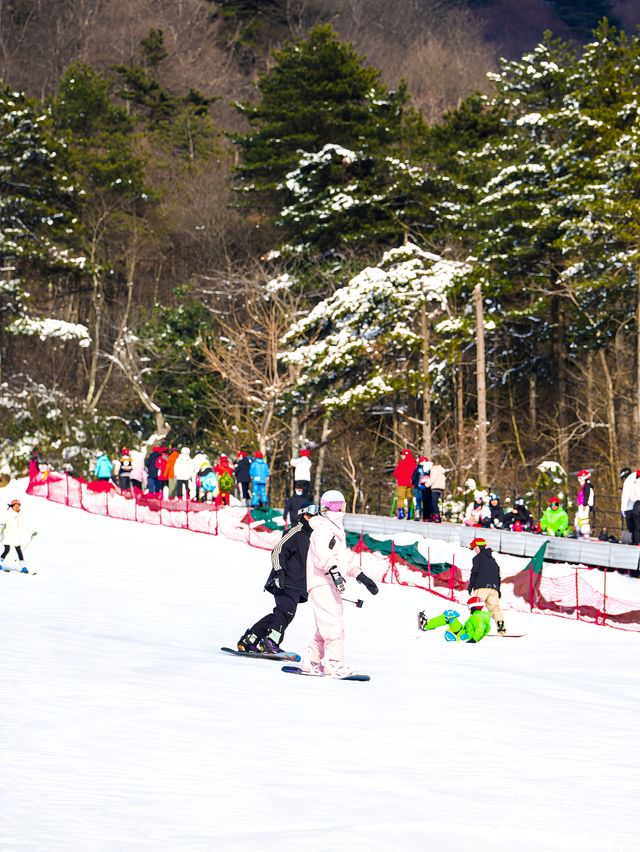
327 549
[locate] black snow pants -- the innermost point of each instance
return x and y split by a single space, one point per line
286 604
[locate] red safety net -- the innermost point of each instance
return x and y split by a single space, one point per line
104 498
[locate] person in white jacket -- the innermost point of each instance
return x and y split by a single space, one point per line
183 471
16 533
328 563
302 471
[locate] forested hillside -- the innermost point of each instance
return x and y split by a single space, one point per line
344 223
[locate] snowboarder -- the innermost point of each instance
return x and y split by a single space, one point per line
473 630
287 582
259 472
403 473
554 520
15 533
302 471
585 500
327 564
484 581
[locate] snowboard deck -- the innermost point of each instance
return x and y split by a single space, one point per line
298 671
18 571
284 656
506 635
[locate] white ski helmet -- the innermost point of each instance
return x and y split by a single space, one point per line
333 501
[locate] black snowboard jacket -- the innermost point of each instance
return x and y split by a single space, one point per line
289 562
485 572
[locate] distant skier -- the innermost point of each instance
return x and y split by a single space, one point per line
287 582
484 581
403 473
302 471
554 520
259 471
293 505
473 630
585 500
242 476
328 563
16 533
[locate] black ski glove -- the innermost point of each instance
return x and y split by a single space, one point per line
367 582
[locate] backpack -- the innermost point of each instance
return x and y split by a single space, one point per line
225 482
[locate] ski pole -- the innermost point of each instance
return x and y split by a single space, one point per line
359 603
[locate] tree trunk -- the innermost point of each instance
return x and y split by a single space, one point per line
611 418
460 455
426 382
96 299
533 405
321 453
637 388
481 385
559 359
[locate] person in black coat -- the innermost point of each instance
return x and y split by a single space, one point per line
287 582
520 515
493 515
484 581
292 506
242 476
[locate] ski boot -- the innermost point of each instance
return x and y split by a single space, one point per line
501 628
24 569
249 643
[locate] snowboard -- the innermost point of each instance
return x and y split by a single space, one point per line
256 655
506 635
298 671
18 571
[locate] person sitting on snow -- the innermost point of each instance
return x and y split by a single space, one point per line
473 630
520 519
493 515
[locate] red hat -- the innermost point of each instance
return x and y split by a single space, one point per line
259 454
554 500
304 452
222 456
241 454
582 473
475 603
478 542
125 450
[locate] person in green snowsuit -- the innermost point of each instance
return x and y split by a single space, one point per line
554 520
473 630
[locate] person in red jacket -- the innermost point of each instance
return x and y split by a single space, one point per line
223 467
403 472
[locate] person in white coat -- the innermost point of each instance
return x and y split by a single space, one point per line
16 533
328 563
183 471
302 471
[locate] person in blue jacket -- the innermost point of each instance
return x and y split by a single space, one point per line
103 468
259 472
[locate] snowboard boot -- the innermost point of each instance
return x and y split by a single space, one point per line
269 643
249 643
24 569
501 628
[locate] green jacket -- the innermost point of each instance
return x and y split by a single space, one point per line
476 626
554 521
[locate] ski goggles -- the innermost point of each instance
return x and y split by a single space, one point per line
309 510
334 506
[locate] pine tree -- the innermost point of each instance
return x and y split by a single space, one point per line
38 228
318 92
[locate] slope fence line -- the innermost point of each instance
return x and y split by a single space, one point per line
566 597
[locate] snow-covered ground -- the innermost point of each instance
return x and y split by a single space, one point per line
123 726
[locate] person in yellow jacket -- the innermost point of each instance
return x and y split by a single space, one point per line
473 630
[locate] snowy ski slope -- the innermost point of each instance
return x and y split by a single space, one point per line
124 728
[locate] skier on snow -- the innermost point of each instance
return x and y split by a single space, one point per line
327 564
16 533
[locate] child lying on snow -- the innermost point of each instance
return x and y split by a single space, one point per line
474 629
